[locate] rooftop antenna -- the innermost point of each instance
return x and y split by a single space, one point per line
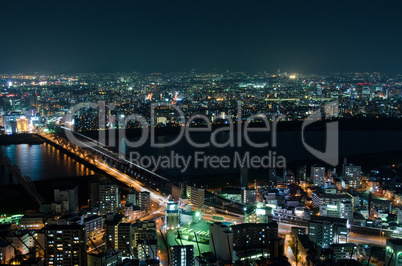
110 244
167 246
94 244
128 248
196 240
31 256
230 252
371 253
390 259
153 253
36 241
69 248
178 234
351 255
213 244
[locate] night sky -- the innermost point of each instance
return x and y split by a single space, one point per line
169 36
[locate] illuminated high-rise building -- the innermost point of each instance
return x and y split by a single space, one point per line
65 245
144 200
22 125
325 231
108 198
318 176
196 196
352 175
172 215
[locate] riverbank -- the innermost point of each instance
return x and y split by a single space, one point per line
24 138
351 124
15 200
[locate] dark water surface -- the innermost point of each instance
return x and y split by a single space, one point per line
41 162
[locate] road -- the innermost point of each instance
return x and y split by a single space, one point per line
122 177
366 239
288 251
153 216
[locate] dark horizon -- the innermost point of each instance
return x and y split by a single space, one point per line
158 36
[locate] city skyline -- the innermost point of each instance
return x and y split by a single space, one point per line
189 133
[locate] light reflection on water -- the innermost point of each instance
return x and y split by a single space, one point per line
41 162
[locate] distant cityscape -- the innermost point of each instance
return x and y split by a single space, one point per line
45 99
114 211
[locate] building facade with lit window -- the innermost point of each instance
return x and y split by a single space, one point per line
112 230
108 198
256 239
317 176
65 245
351 176
196 196
32 222
6 252
144 200
248 196
143 230
393 252
93 225
125 239
325 231
147 249
182 255
259 215
172 215
338 205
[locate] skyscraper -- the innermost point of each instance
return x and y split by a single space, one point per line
65 245
132 197
351 175
112 230
317 176
324 231
108 198
125 239
94 194
144 200
196 196
171 215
